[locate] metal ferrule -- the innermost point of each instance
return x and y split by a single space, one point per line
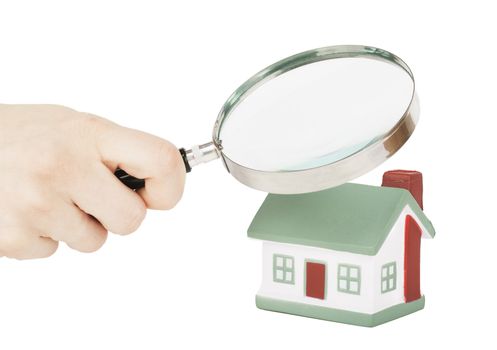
199 154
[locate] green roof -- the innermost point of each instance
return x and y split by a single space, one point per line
351 217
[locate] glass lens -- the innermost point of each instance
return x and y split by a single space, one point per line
316 114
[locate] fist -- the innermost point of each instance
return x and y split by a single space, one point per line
57 179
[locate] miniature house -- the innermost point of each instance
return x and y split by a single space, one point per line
349 254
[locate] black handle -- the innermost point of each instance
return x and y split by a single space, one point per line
130 181
135 183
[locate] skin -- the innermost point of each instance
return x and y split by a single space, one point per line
57 182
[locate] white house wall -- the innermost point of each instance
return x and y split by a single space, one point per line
393 250
370 300
333 298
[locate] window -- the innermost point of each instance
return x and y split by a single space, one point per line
283 269
388 277
349 279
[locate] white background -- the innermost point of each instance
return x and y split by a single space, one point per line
188 277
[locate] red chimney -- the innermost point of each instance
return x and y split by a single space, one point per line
407 179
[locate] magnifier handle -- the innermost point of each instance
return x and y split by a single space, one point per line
135 183
197 155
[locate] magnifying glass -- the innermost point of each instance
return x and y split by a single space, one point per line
311 121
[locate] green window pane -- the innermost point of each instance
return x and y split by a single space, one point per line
388 277
349 279
283 269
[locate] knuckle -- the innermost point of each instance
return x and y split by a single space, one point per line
90 123
167 157
87 235
90 245
133 218
50 250
37 202
178 197
171 201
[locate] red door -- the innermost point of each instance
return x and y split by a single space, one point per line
315 280
411 260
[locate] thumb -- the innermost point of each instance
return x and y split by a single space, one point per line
147 157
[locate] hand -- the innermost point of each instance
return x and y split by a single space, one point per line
57 179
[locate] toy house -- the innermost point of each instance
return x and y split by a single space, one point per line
349 254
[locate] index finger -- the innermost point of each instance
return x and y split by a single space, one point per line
148 157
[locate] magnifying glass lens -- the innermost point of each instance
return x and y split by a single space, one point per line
316 114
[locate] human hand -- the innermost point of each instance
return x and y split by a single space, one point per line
57 179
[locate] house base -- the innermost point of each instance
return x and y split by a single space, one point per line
337 315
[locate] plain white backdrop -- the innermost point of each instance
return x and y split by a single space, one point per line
188 277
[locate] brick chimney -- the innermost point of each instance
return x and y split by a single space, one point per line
407 179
